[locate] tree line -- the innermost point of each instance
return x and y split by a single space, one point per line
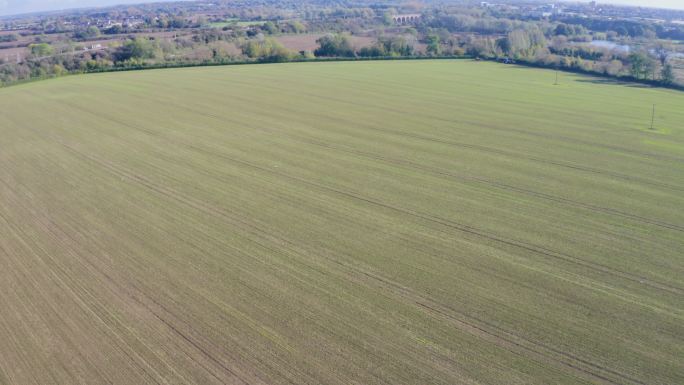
441 32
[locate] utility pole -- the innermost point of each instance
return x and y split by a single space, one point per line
653 117
556 82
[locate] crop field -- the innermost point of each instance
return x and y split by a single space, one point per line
400 222
221 24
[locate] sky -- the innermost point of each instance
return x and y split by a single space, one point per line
11 7
674 4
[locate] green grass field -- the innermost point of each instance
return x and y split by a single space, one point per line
236 22
403 222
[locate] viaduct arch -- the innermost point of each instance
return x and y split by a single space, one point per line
406 19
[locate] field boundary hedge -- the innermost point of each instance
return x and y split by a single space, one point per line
623 79
142 67
254 62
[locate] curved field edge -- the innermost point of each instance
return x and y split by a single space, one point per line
353 222
597 77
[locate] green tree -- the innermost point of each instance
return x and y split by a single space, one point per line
41 49
375 50
297 27
667 74
114 30
482 47
662 51
641 65
434 46
396 45
504 44
388 16
8 38
270 28
334 45
87 33
58 70
637 64
92 31
562 29
138 48
523 43
268 50
177 22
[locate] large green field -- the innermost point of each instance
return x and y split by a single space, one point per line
403 222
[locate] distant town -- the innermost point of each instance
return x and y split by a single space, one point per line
635 42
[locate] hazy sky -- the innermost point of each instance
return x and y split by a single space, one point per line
675 4
10 7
